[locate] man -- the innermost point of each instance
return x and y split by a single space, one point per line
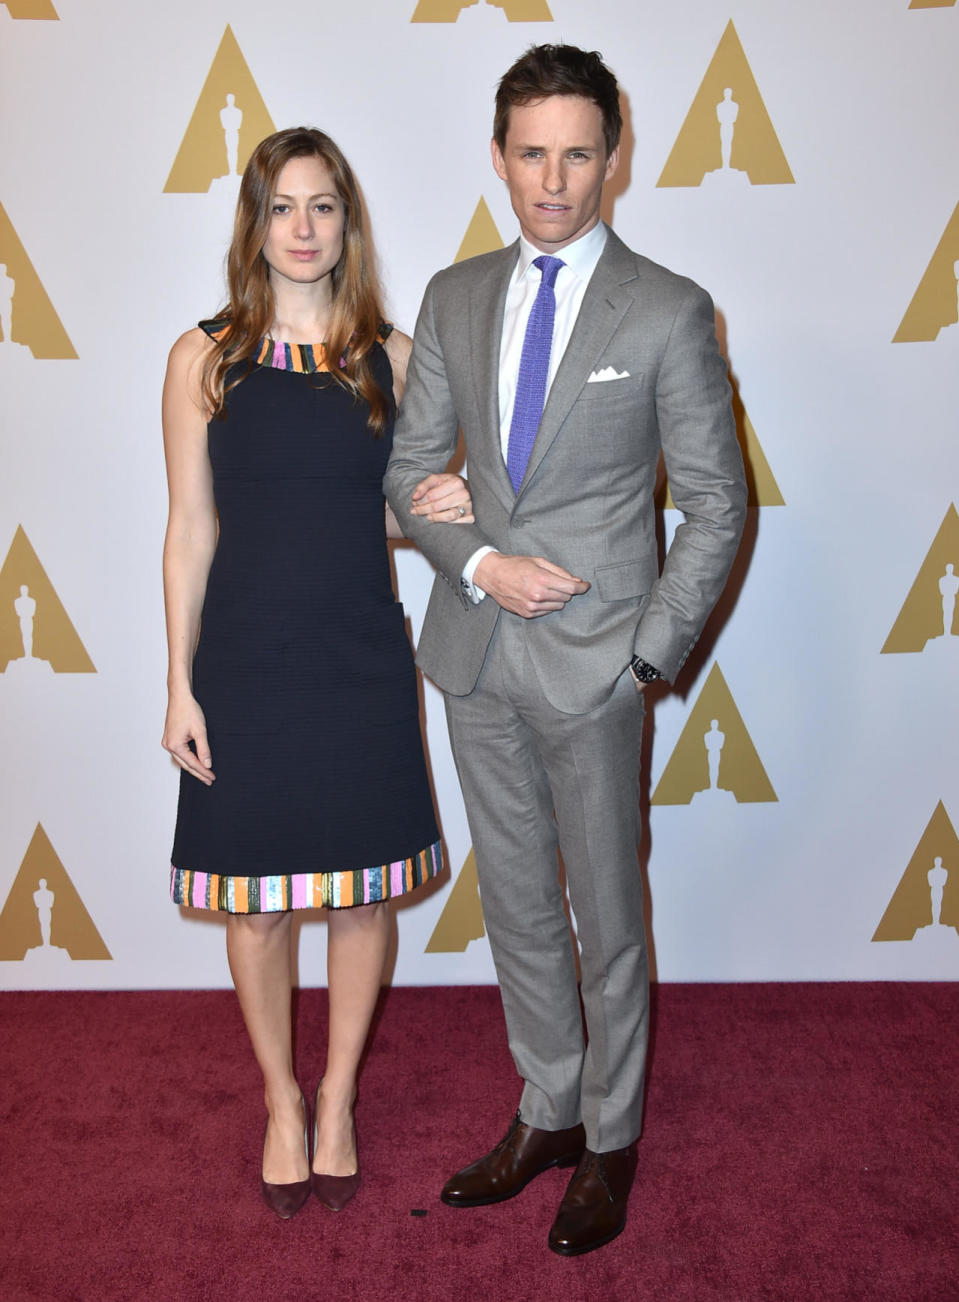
549 615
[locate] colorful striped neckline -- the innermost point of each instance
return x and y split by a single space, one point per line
307 359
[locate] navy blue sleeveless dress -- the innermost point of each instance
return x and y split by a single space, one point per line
303 667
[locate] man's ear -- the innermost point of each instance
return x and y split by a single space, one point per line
612 162
499 162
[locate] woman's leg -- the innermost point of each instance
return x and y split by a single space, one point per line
258 947
356 953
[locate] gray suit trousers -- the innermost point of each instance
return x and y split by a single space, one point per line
536 779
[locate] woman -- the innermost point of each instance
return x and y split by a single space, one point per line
292 703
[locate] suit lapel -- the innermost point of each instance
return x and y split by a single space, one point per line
604 305
487 301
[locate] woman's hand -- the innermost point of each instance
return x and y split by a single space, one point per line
443 499
185 723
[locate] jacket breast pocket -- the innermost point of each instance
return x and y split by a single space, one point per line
614 410
614 392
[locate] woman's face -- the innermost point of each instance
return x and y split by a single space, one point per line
305 239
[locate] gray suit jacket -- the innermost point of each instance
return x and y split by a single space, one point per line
586 502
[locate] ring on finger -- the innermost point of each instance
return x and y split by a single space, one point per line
462 510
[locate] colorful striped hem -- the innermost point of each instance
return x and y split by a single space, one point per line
278 894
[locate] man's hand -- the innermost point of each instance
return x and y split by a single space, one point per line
527 585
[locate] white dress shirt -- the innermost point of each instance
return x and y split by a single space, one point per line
579 259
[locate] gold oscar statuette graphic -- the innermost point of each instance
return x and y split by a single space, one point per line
229 120
31 9
714 762
462 918
28 320
36 635
728 137
44 921
929 618
935 304
761 486
516 11
925 905
481 234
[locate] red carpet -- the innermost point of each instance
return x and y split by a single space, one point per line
800 1145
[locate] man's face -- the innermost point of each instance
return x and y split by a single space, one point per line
554 163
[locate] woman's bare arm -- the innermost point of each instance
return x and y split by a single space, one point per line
188 548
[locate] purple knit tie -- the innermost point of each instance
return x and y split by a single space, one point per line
533 370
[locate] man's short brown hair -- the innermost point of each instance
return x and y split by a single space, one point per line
546 70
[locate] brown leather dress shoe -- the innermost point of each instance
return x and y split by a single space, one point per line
593 1209
521 1154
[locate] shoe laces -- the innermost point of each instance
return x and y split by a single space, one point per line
509 1137
596 1163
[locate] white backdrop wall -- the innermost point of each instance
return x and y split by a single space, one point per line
835 690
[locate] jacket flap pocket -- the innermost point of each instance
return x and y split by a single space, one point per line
625 579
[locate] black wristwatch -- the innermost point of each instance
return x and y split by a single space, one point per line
643 671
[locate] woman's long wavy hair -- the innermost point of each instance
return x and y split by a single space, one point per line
357 313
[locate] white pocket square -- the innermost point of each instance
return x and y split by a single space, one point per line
607 373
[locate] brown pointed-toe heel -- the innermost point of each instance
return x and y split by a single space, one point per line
287 1199
333 1191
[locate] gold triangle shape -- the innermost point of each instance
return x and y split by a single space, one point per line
756 150
912 903
43 896
32 9
524 11
440 11
516 11
33 319
36 634
715 728
932 595
761 486
229 87
935 303
481 234
462 918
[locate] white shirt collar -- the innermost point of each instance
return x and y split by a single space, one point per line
580 257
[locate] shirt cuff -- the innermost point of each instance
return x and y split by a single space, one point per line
474 593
